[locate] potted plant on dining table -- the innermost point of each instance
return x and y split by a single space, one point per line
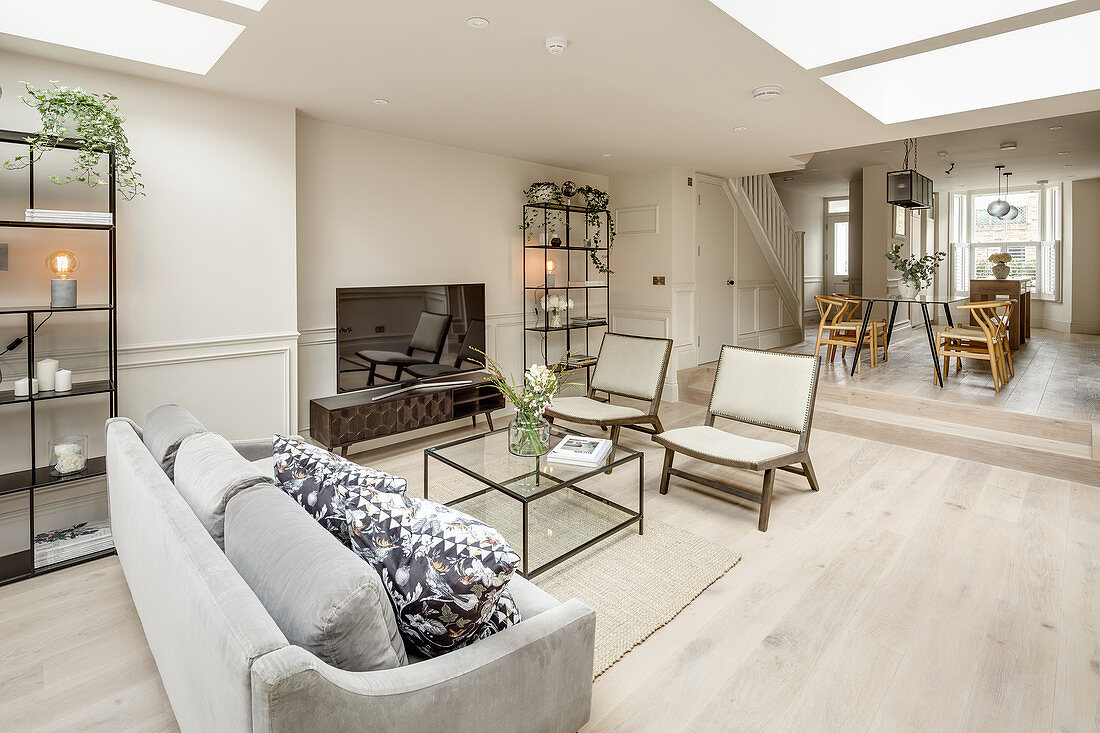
917 273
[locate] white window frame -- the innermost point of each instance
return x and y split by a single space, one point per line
960 230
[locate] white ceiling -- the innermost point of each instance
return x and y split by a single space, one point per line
656 83
974 153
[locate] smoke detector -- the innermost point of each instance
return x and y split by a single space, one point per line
556 45
766 94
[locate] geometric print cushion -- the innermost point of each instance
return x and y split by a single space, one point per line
445 571
321 481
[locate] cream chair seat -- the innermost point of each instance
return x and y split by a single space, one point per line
627 366
763 388
716 445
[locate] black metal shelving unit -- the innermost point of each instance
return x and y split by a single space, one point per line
537 216
20 565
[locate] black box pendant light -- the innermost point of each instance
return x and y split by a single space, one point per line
908 189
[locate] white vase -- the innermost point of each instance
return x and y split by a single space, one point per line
906 289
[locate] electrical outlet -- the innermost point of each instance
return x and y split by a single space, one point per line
3 256
658 279
379 329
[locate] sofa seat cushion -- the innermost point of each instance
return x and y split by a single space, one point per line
165 429
320 481
267 465
210 472
322 596
445 571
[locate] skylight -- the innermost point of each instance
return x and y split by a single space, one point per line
815 33
1046 60
139 30
250 4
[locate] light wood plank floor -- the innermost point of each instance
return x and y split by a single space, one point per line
914 592
1057 374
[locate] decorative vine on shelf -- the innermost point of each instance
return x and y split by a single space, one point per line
596 203
91 119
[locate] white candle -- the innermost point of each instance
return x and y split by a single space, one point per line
22 387
63 380
45 371
34 386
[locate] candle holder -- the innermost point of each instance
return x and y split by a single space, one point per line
68 455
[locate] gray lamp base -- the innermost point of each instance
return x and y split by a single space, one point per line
63 293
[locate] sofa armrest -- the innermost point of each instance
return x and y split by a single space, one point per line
255 449
534 677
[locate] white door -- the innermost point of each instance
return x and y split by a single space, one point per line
716 292
836 254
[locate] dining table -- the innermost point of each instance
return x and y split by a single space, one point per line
895 300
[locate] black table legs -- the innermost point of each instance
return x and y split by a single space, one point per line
862 334
890 325
932 342
947 312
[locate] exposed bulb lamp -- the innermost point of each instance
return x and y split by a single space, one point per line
62 264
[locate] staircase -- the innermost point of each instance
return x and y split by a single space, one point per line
780 244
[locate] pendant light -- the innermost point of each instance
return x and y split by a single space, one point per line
1012 212
999 207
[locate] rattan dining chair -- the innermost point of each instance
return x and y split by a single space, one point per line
765 388
988 341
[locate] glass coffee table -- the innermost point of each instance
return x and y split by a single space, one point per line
552 510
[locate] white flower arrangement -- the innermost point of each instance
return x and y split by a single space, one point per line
555 303
1000 258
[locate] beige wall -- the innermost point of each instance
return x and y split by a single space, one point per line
206 271
376 209
1084 269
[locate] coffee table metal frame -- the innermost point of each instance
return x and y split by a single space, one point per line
554 484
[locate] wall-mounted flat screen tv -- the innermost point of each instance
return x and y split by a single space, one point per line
401 333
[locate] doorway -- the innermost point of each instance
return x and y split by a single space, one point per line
715 263
837 250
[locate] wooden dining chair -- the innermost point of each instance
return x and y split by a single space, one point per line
836 328
988 341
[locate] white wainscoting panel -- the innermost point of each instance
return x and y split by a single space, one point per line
637 220
763 319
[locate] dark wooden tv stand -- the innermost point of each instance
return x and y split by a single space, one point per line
352 417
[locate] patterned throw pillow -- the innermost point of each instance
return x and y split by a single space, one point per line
445 571
321 481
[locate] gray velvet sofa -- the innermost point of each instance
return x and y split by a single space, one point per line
227 666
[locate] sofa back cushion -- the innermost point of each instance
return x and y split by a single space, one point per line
320 481
210 472
165 429
324 598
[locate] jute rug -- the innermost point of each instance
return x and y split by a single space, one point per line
636 583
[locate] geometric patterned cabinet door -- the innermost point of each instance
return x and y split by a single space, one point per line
352 417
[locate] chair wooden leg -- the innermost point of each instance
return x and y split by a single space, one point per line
820 330
766 499
994 367
615 441
669 453
810 475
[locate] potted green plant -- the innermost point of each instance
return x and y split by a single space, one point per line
596 202
917 273
91 119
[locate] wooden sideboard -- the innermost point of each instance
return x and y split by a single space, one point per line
1019 290
352 417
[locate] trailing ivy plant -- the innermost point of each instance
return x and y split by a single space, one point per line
89 118
596 202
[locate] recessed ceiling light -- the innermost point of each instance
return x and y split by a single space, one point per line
788 178
815 33
1063 152
477 22
1064 65
379 100
1008 146
740 128
1055 128
138 30
1067 165
813 170
606 155
886 150
942 153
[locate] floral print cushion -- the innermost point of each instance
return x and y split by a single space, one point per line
445 571
321 481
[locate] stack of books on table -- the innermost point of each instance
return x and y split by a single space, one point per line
587 283
53 216
580 450
585 321
576 361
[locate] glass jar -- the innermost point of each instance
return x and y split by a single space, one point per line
68 455
529 435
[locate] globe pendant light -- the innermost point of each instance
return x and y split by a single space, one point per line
1012 212
999 207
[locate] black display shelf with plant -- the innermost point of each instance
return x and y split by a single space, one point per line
586 229
21 564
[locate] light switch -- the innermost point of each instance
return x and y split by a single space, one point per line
658 279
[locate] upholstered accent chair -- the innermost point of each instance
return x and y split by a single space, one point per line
473 344
627 366
429 337
764 388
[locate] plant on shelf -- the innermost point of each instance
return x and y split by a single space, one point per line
1000 262
89 118
529 431
556 306
596 202
917 273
